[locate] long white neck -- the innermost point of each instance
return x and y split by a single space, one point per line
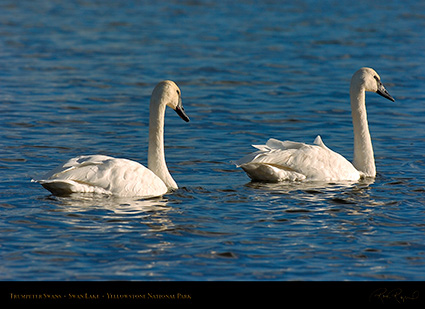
156 156
363 151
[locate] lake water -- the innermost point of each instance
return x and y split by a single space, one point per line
76 77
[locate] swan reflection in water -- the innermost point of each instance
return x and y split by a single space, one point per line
86 210
342 192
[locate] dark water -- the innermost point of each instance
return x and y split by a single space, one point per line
75 78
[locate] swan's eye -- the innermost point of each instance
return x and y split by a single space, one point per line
178 92
377 78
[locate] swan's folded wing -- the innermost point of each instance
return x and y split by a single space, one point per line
102 174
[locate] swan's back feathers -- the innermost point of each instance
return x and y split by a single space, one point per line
279 161
103 174
318 141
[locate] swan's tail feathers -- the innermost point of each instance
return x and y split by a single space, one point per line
62 187
262 147
269 163
58 187
270 172
271 146
246 159
277 144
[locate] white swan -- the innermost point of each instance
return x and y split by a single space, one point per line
122 177
290 161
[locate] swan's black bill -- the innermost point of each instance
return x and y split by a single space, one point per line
180 111
383 92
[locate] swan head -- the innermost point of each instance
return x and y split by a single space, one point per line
169 93
369 80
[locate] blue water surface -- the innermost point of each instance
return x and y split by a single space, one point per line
76 77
